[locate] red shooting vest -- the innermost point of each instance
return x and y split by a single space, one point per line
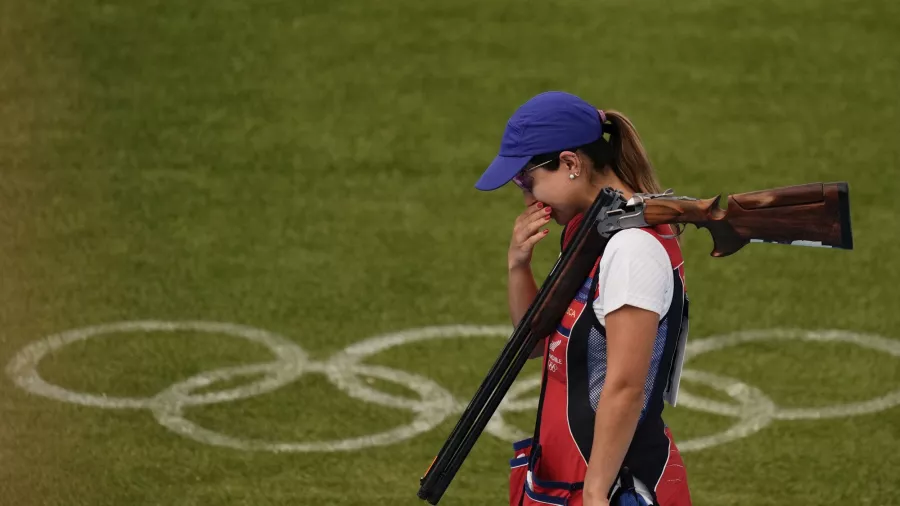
575 360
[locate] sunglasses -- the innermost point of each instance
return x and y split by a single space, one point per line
524 180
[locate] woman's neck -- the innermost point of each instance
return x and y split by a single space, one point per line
614 184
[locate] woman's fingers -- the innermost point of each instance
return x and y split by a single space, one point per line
536 210
535 222
529 212
534 239
527 232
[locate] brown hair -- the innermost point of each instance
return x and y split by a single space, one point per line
631 163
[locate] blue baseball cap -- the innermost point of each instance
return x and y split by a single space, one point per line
550 121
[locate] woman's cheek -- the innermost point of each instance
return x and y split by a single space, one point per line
543 196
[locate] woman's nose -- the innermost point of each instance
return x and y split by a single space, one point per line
529 198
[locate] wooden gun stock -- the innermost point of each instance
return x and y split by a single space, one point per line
816 214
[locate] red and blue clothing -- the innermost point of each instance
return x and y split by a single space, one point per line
552 472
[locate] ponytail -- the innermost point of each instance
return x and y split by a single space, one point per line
630 161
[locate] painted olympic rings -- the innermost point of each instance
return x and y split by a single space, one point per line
433 404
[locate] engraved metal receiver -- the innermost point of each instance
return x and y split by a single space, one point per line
629 213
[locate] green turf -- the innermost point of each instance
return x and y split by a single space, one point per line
142 364
307 168
809 374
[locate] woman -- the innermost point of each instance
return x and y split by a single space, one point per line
600 435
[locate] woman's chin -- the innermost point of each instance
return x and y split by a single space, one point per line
562 221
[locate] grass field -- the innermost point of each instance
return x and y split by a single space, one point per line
307 168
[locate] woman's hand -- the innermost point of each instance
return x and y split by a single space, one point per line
526 233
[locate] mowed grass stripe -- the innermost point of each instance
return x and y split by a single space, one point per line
39 92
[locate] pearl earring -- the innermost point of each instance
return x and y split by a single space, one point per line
571 176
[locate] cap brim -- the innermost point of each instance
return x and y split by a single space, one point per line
501 171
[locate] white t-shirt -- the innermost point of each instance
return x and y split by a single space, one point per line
634 270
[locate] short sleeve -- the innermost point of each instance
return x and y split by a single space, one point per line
635 270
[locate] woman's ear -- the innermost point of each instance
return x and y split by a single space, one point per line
570 162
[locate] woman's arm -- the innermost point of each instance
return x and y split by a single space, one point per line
522 291
630 335
636 280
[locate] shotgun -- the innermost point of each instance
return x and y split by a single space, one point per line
815 214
